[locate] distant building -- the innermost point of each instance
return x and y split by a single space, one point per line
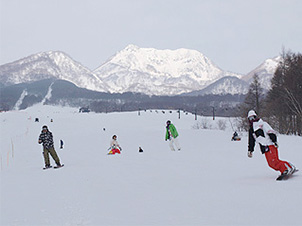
84 110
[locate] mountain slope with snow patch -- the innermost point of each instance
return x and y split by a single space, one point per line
226 85
265 71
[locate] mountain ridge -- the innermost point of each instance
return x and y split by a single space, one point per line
265 72
134 69
223 86
51 64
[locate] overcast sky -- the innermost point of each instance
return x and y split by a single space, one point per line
237 35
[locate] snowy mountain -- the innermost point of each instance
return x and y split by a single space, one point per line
142 70
265 71
53 64
226 85
159 72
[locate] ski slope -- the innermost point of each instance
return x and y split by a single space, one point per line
211 181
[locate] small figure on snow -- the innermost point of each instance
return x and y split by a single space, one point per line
61 144
172 136
46 139
140 149
114 146
236 137
263 134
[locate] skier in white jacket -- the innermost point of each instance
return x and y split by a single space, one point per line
262 133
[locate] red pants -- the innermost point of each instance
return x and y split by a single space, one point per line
273 160
115 151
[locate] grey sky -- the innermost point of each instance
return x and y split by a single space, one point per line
237 35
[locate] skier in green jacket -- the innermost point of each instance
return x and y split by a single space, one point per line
172 136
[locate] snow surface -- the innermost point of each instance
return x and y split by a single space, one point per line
211 181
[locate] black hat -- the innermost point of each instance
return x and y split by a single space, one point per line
44 127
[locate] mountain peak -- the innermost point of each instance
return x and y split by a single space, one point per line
265 71
49 54
159 72
131 47
51 64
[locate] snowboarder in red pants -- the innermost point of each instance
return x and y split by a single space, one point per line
262 133
114 146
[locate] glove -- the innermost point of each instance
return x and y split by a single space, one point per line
276 144
250 154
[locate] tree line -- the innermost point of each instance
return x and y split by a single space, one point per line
281 106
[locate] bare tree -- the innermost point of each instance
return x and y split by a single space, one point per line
253 100
284 100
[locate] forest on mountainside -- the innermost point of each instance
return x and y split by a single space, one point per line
282 105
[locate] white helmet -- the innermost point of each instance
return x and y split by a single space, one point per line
252 116
251 113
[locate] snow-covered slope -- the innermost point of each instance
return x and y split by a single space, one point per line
159 72
265 71
206 183
52 64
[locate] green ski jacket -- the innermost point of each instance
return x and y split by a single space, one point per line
172 130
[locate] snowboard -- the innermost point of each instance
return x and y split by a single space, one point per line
287 176
57 167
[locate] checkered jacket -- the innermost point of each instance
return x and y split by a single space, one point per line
47 139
